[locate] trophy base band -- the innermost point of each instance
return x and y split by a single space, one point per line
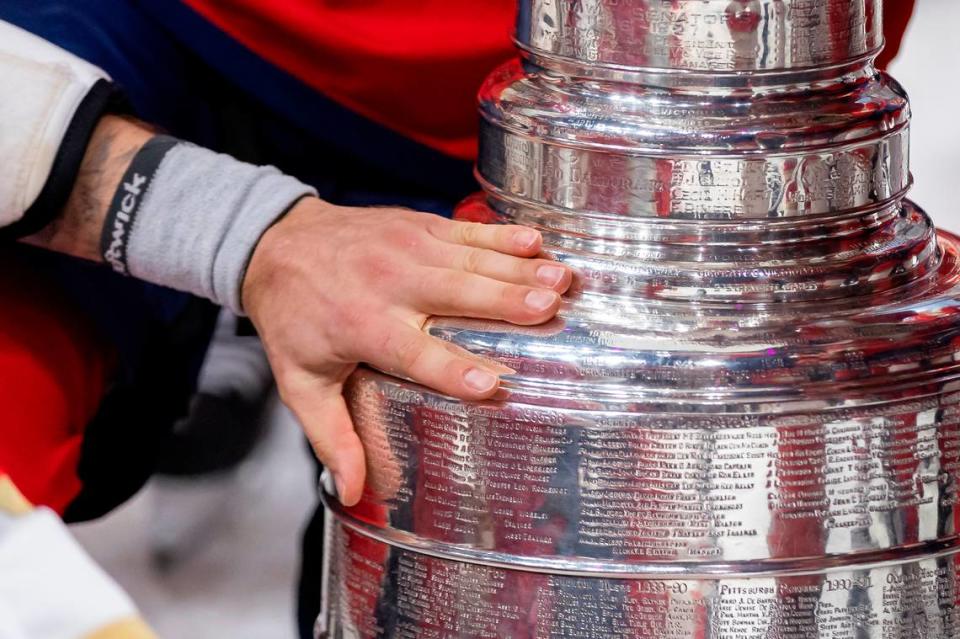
434 597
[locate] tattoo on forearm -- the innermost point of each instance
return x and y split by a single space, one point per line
77 229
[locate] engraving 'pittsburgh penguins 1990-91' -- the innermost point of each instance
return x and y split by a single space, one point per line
745 422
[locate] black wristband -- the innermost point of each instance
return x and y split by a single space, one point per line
126 202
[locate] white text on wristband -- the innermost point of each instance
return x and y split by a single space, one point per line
126 202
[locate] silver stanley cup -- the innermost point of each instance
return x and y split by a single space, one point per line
744 422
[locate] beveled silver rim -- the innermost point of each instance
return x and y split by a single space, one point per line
679 570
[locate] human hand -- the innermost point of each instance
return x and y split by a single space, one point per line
329 287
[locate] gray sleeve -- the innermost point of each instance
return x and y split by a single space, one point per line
200 219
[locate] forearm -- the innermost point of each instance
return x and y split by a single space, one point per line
77 229
168 212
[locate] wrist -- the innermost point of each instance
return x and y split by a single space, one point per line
76 231
189 219
270 260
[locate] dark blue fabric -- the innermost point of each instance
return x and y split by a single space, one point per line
180 72
327 123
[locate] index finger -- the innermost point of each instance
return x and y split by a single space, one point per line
503 238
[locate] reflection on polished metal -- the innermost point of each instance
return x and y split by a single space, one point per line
745 422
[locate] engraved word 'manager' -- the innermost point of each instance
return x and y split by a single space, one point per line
745 423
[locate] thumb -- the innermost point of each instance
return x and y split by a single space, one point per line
326 421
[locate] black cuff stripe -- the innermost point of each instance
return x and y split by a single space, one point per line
103 96
126 202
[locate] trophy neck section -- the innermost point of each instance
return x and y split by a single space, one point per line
792 193
658 40
632 151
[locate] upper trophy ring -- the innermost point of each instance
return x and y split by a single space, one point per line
608 39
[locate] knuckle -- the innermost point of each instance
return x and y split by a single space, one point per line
527 269
293 381
506 234
511 295
335 442
470 232
407 351
438 226
453 369
512 303
322 450
375 266
408 236
394 227
473 260
287 385
351 330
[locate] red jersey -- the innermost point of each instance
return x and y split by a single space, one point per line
412 66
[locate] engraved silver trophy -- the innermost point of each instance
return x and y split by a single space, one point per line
744 423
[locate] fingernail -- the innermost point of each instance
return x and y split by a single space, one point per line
540 300
550 275
526 238
480 380
341 486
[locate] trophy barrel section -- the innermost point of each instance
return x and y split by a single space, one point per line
668 469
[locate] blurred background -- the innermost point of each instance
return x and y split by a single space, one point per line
929 68
218 558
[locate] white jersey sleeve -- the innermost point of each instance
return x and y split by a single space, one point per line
43 88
